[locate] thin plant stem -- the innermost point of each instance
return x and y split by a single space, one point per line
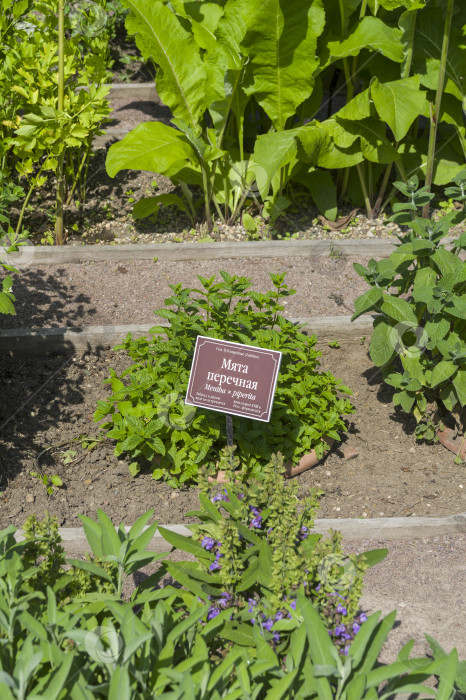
23 208
346 68
364 190
206 188
76 176
435 113
383 187
59 238
409 54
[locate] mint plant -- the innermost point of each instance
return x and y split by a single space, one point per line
419 335
145 412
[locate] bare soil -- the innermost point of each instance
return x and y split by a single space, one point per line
109 293
392 475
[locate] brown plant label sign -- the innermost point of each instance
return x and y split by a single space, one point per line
233 378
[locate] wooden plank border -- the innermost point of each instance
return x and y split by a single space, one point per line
74 540
135 91
312 248
33 342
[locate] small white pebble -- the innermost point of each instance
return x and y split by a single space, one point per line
337 508
328 473
380 513
461 486
364 515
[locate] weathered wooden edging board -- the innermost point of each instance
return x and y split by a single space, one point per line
74 540
135 91
53 341
58 255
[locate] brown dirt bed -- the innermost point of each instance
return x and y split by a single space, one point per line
391 476
108 293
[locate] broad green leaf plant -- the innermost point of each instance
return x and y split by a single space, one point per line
145 412
419 296
254 89
40 133
70 634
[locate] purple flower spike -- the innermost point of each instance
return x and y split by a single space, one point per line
224 600
208 543
255 511
214 566
317 588
346 650
257 521
276 637
356 627
268 624
293 604
341 609
213 612
279 615
362 618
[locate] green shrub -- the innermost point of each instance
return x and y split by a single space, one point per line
419 294
146 413
35 135
245 81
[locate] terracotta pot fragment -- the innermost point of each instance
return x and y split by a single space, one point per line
307 461
447 439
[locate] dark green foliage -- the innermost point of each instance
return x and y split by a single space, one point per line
146 413
419 338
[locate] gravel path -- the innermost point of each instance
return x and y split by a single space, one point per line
422 579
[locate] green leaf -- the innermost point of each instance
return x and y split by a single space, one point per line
272 151
186 544
398 103
366 302
447 262
374 556
369 33
6 305
90 567
381 348
357 108
459 382
282 54
150 146
323 190
428 40
442 371
150 205
398 310
181 76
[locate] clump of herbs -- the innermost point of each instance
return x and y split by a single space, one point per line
419 293
146 414
258 550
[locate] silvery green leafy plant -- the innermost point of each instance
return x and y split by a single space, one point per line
66 637
419 296
246 80
255 550
146 415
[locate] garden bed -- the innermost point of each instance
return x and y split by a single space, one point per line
109 293
391 476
